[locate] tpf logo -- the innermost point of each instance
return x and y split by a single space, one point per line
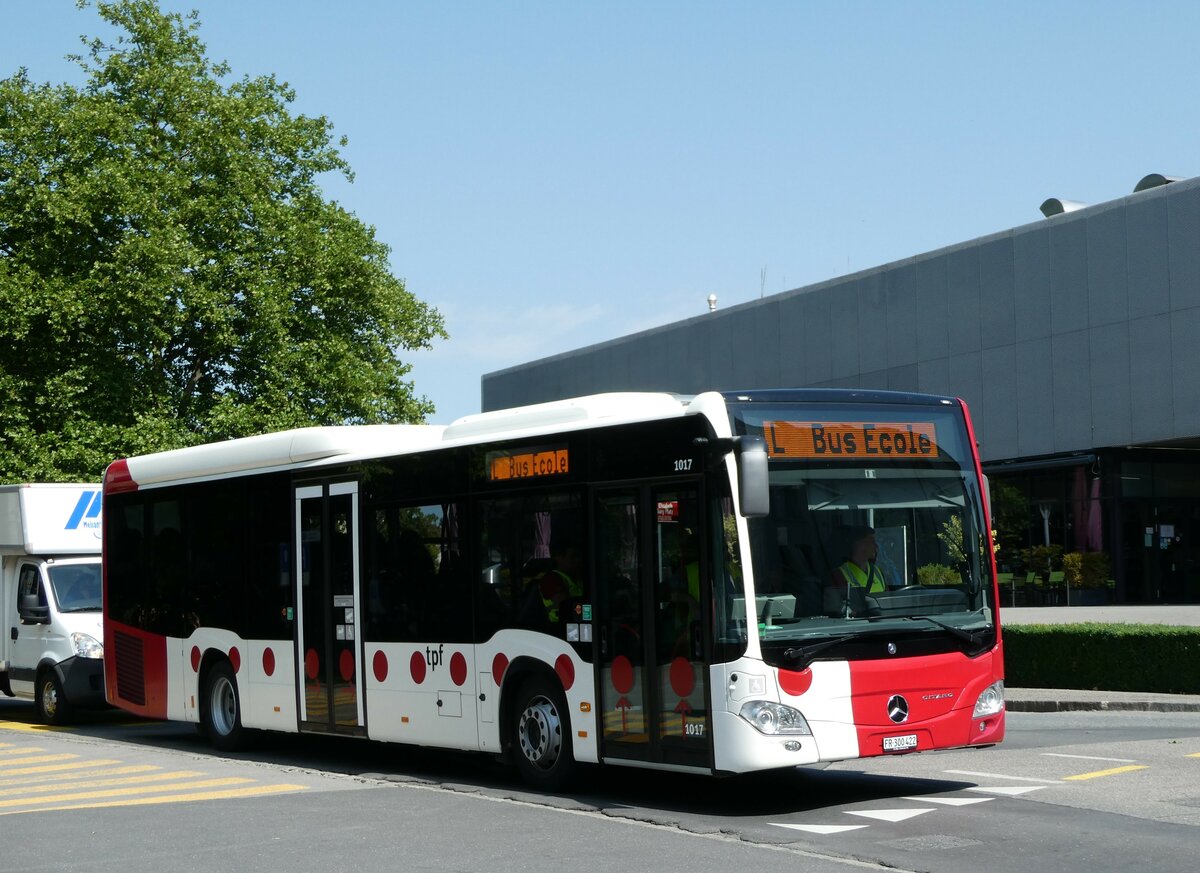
87 509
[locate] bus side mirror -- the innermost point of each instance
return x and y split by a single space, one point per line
754 491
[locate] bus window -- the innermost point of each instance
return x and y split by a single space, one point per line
533 567
415 585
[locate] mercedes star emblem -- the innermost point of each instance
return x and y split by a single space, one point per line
898 709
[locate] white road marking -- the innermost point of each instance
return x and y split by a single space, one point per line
1009 791
951 801
820 829
892 815
1003 776
1088 758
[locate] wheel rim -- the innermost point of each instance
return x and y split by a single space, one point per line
540 733
223 706
49 698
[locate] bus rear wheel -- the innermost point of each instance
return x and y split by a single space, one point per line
542 735
221 712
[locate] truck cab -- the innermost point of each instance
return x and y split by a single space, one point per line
51 647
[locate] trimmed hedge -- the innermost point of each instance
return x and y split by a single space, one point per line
1105 657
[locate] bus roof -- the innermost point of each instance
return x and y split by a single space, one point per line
316 446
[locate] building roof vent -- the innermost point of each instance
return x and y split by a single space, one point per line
1154 180
1054 206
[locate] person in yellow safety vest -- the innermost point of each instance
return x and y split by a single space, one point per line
859 570
563 582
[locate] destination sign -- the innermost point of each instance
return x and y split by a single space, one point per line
503 466
850 440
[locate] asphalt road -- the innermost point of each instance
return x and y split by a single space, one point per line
1090 791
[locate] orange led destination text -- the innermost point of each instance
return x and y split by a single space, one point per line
849 440
526 465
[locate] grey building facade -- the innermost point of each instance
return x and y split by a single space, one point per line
1075 341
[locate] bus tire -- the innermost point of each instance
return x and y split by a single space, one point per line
221 712
48 697
541 735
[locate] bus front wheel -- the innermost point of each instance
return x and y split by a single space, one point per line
221 714
542 735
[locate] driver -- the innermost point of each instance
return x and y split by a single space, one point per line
859 570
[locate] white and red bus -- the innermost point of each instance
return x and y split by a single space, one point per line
649 580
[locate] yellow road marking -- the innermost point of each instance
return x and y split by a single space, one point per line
50 768
17 750
1194 755
117 792
254 791
36 759
102 783
35 728
79 774
1099 773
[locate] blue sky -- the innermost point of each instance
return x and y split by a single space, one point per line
552 175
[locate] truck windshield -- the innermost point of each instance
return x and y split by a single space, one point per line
876 527
76 587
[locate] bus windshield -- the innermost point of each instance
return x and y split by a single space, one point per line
876 528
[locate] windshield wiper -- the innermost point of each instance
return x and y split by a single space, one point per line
975 639
803 655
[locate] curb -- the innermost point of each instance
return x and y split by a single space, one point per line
1101 706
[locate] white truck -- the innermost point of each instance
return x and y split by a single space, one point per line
51 649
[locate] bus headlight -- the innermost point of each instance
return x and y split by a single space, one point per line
775 718
991 701
86 646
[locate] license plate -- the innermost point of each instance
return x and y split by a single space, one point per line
899 744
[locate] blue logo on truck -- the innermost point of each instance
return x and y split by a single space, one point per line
88 508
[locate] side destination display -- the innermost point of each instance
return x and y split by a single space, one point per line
503 466
850 440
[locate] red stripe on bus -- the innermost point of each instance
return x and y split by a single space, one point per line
117 478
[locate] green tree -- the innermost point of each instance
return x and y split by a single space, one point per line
170 271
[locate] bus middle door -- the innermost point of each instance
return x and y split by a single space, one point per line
652 670
328 599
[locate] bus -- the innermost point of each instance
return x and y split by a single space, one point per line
641 579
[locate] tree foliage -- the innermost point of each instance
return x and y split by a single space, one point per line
170 271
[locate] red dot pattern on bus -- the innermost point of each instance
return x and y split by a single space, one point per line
312 664
458 668
416 666
195 658
499 665
346 665
235 659
268 662
565 670
795 683
622 674
683 677
380 665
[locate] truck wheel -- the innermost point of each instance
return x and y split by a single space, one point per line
542 735
52 706
221 710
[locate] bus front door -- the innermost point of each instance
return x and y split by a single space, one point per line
651 591
329 656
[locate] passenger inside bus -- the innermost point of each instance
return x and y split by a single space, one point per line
551 597
682 598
